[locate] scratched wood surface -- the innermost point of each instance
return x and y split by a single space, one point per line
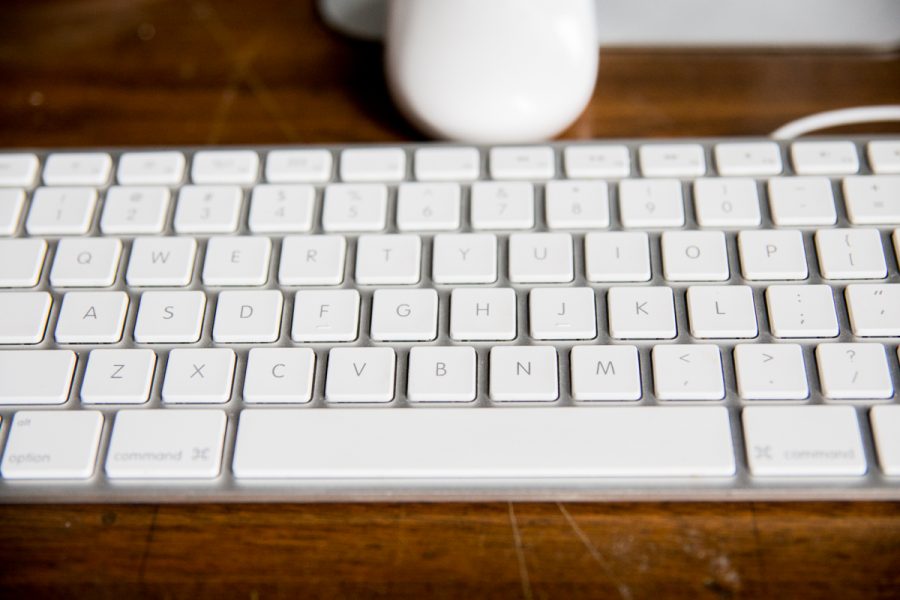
111 72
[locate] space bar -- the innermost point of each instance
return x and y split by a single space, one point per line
491 443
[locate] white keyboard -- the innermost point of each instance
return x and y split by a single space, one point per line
692 319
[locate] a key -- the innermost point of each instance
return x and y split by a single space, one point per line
388 259
354 207
801 441
11 203
522 162
748 159
502 205
523 374
771 254
18 169
541 258
688 372
61 211
801 311
651 203
279 376
447 164
721 311
52 445
884 156
198 376
240 260
281 208
874 309
151 168
325 316
86 262
614 256
35 376
886 431
23 317
166 444
373 164
428 206
694 256
801 201
605 373
441 374
360 375
134 210
562 313
244 317
312 260
576 204
208 209
872 200
298 166
220 166
483 314
854 371
672 160
850 254
77 168
23 260
118 376
464 258
731 203
161 261
770 372
824 158
404 315
592 161
91 317
641 313
170 317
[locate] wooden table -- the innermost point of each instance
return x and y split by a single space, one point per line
109 72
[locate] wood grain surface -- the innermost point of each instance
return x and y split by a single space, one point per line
115 72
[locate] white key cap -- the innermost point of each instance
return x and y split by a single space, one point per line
464 258
237 261
312 260
86 262
523 374
576 204
23 260
281 208
886 431
824 158
298 166
161 261
134 210
801 201
612 256
721 311
770 372
641 313
850 254
874 309
803 441
91 317
170 317
801 311
447 164
118 376
11 203
166 444
694 256
483 314
23 317
688 372
852 371
35 376
77 168
748 158
884 156
208 209
18 169
61 211
541 258
219 166
502 205
722 202
605 373
360 375
522 162
373 164
562 313
404 315
441 374
591 161
244 317
672 160
325 316
428 206
896 238
151 168
199 376
651 203
771 254
548 442
279 376
354 207
388 259
52 445
872 200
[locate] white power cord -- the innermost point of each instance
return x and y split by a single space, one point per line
837 118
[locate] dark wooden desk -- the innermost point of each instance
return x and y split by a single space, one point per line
108 72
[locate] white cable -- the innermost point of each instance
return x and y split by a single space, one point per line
837 118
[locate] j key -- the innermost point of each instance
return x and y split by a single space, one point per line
325 316
360 375
135 210
312 260
170 317
61 211
447 164
118 376
23 260
35 376
23 317
298 166
151 168
235 166
198 376
77 168
562 313
52 445
91 317
208 209
523 374
441 374
279 375
608 373
161 261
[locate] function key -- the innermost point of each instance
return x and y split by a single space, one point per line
755 158
592 162
18 169
77 168
884 156
373 164
522 162
151 168
235 166
672 160
447 164
298 166
824 158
